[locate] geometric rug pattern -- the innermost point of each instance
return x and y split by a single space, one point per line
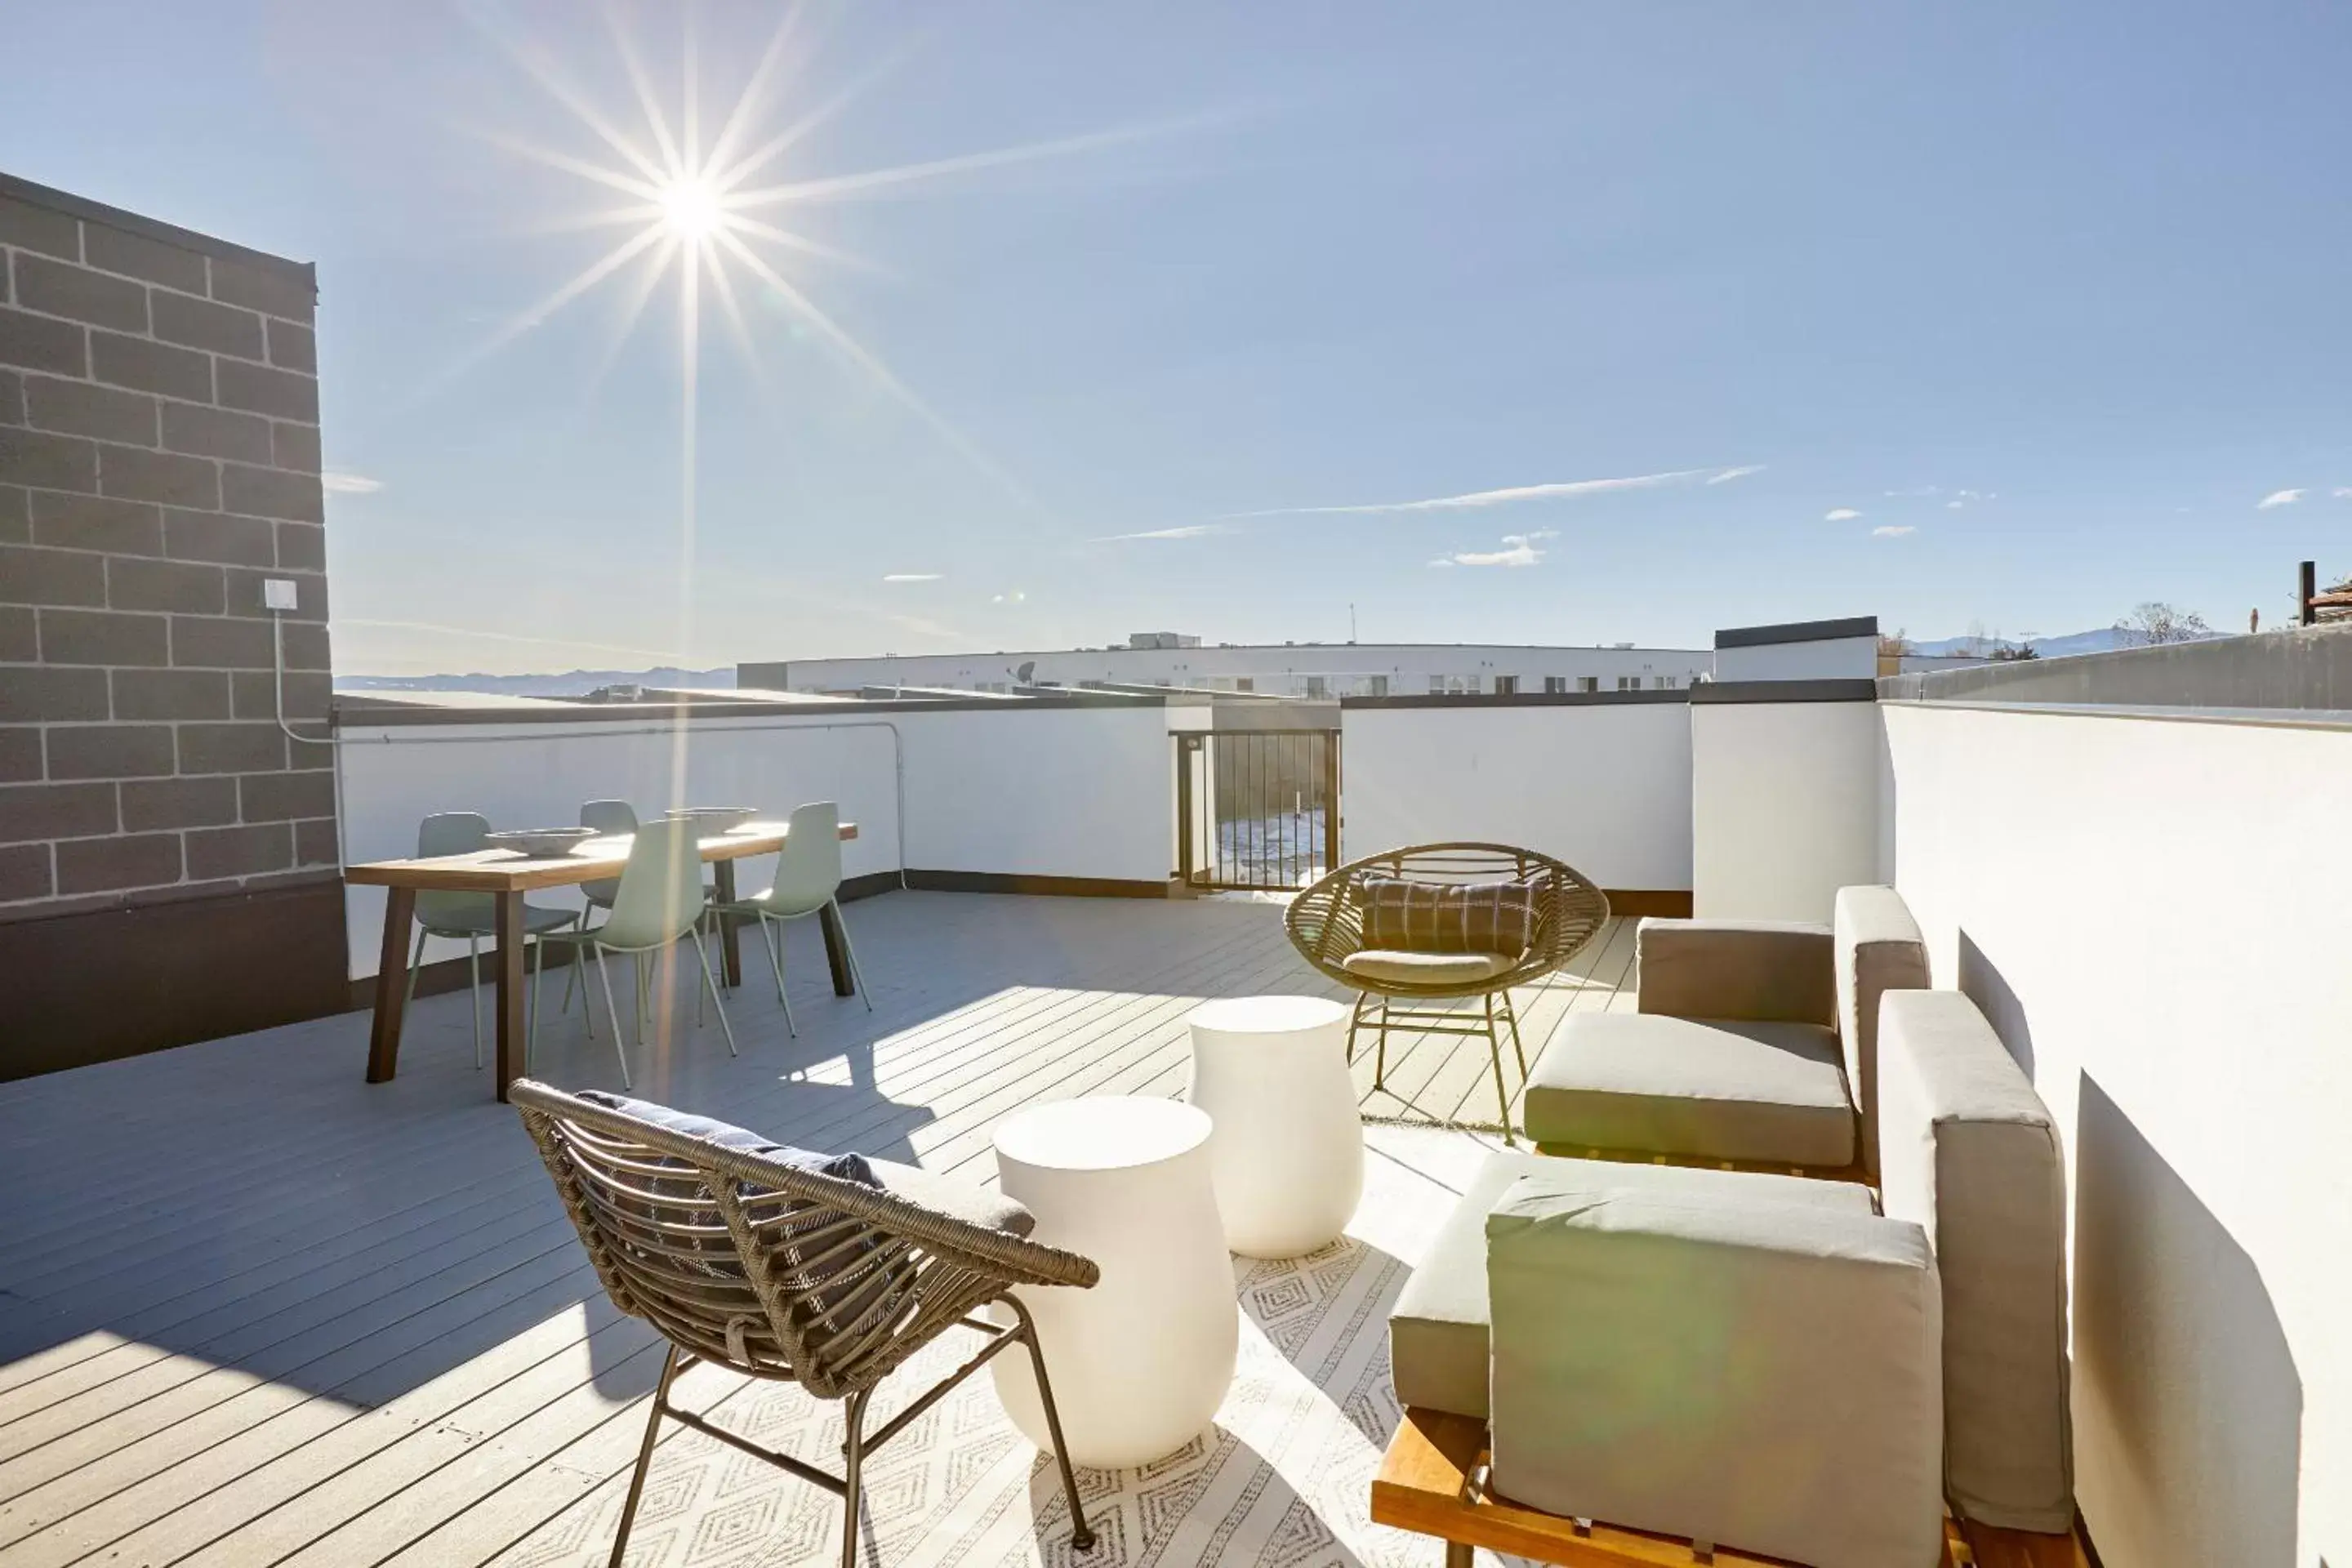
1283 1477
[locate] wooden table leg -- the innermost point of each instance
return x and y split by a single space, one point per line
510 989
836 951
390 985
731 949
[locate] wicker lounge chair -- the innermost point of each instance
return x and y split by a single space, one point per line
1326 924
778 1272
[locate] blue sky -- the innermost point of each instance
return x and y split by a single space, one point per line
2015 315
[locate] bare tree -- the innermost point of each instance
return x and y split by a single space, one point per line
2007 652
1895 644
2155 621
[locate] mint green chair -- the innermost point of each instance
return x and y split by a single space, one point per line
470 916
808 881
659 900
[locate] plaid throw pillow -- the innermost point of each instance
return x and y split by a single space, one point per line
1406 916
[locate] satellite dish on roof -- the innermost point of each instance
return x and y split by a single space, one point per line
1028 668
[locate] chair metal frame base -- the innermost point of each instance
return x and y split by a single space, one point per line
1443 1021
859 1443
772 937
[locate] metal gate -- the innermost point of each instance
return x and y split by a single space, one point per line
1256 808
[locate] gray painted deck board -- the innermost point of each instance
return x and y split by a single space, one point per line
352 1324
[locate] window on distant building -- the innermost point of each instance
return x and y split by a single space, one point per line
1437 686
1555 685
1588 683
1380 686
1507 686
1317 688
1665 683
1245 683
1629 683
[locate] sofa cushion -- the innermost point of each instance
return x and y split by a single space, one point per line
1437 1330
1705 1087
1395 967
1761 970
1969 1152
1878 950
1759 1374
1497 916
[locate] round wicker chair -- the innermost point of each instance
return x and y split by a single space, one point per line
1326 924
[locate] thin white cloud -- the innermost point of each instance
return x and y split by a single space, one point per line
335 482
1010 596
1486 498
912 576
1518 550
1892 531
1189 530
2342 492
1741 472
2278 498
1842 514
1954 505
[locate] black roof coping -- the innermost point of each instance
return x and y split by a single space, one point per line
1860 690
1797 631
32 194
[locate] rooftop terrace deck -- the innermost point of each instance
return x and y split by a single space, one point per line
259 1311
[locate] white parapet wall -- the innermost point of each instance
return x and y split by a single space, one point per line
2151 912
1784 800
1081 793
1603 786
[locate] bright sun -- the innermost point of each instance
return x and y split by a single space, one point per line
690 209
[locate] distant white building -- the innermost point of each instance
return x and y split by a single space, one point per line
1313 670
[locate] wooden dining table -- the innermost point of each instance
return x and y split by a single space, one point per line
506 875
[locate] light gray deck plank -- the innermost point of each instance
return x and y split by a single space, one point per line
356 1326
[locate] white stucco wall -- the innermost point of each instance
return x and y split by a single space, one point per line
2152 913
1784 806
1605 787
1086 792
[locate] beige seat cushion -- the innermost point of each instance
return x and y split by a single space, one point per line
1968 1151
1437 1330
1705 1088
1760 1374
1398 967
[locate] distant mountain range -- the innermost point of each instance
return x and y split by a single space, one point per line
2101 640
571 683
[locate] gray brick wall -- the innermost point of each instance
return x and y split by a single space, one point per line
159 457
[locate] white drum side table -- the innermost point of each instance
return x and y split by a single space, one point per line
1288 1155
1142 1361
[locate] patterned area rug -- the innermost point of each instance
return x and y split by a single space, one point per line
1282 1480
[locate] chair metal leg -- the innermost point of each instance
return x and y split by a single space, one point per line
852 1494
644 1450
849 950
711 979
619 1051
474 996
537 967
1495 1051
772 933
1082 1537
1380 1062
1511 1016
415 962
